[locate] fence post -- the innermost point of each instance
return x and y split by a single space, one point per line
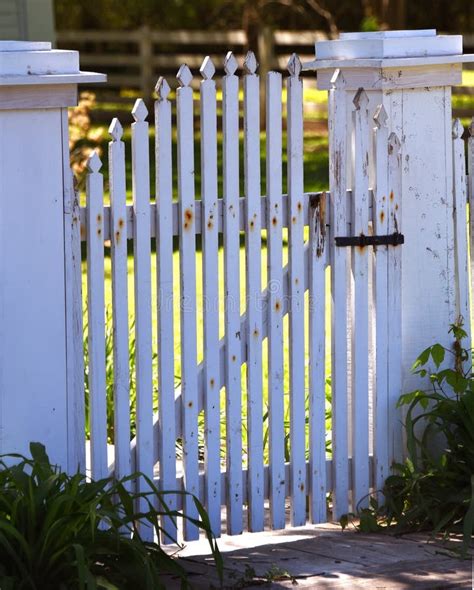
411 74
266 59
37 85
146 66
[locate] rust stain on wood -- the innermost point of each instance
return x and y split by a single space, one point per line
188 218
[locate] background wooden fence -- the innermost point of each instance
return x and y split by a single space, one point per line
135 59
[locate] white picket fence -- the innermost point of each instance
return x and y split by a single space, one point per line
364 200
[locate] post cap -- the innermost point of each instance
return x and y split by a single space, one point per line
389 52
390 49
35 62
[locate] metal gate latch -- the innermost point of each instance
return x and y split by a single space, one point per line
395 239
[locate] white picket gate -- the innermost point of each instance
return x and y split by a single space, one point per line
364 284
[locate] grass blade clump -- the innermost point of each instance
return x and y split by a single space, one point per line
59 531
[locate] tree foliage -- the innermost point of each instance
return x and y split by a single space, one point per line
455 15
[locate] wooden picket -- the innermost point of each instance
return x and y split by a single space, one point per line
253 253
187 258
276 407
337 187
460 227
360 306
296 293
317 358
142 287
96 318
118 250
380 282
394 324
210 294
164 274
231 474
233 333
470 185
74 318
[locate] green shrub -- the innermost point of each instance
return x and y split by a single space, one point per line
434 488
61 532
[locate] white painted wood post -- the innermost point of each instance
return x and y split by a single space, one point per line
37 364
411 73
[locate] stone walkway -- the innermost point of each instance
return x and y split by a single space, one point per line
325 557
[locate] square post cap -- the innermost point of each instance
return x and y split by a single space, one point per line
391 59
33 75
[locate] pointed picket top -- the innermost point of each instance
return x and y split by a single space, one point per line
361 100
94 163
380 116
162 88
230 63
184 75
139 111
294 65
471 128
458 129
116 129
337 81
207 69
394 145
250 63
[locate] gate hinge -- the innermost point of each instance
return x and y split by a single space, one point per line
395 239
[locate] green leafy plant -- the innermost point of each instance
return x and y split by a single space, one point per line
434 488
61 532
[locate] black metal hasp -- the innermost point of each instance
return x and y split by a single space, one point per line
394 239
